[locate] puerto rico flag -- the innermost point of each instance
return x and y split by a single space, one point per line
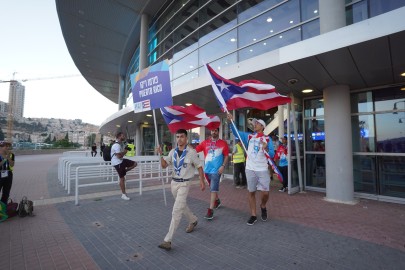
177 117
249 93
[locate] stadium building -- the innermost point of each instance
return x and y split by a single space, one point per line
342 62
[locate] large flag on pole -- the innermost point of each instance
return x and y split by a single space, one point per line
249 93
189 117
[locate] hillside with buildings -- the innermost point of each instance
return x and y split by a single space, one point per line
37 130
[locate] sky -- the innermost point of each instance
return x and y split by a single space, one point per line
31 44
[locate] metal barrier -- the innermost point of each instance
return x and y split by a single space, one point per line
148 169
65 164
77 153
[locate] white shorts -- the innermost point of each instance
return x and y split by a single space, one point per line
258 180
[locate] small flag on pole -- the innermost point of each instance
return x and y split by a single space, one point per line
177 117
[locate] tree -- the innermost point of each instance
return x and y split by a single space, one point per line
48 139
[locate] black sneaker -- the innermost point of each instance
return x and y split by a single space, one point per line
252 220
264 214
283 189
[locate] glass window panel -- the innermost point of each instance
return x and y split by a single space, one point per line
300 129
148 142
217 26
164 47
218 48
185 78
378 7
392 176
186 29
169 12
315 170
315 135
390 133
314 108
362 102
294 172
309 9
310 29
186 12
185 65
364 174
249 9
270 44
356 13
185 47
389 99
363 133
219 64
270 23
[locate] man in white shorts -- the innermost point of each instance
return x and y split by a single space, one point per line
257 172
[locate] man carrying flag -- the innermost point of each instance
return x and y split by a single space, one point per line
184 160
216 157
257 173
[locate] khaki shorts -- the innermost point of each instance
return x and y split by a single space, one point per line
258 180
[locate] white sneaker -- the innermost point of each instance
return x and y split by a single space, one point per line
125 197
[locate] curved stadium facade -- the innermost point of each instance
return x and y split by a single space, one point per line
347 135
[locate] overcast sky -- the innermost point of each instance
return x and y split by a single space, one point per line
31 44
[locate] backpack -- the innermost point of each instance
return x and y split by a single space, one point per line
107 152
25 208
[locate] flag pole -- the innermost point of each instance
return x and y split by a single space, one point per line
160 165
237 131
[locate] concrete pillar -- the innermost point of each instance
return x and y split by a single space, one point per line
143 42
138 136
143 63
338 145
280 113
332 15
121 93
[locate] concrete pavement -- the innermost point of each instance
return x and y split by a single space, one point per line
105 232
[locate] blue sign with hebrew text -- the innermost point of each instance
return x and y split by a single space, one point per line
152 88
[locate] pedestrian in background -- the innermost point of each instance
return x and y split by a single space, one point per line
94 150
184 160
238 158
6 174
281 157
102 147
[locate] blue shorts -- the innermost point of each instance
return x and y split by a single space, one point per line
213 181
258 180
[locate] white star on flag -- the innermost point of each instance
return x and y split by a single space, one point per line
223 86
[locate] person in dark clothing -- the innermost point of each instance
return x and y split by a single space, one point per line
6 176
94 150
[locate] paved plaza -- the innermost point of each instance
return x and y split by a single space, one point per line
104 232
